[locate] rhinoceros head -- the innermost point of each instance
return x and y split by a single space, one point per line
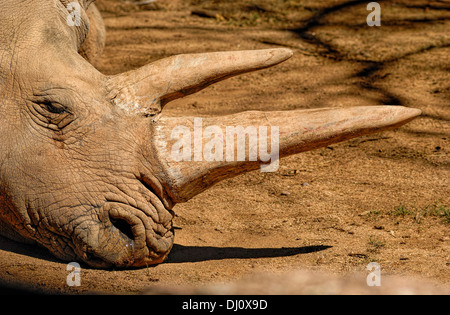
85 163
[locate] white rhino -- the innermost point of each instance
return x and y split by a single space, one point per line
85 163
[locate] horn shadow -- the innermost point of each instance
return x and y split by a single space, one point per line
183 254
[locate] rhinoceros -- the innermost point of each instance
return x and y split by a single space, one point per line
86 168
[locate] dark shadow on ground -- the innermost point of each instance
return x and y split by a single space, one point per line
369 77
34 251
182 254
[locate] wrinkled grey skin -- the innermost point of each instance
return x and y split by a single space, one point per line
74 176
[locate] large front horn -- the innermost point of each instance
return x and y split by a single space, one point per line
195 153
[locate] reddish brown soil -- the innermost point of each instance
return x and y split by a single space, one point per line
382 198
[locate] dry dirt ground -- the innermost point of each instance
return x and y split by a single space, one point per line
382 198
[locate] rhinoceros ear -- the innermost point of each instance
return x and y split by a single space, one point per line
147 89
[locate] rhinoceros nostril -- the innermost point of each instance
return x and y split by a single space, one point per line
124 227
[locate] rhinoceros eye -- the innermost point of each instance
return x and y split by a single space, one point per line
53 108
49 113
